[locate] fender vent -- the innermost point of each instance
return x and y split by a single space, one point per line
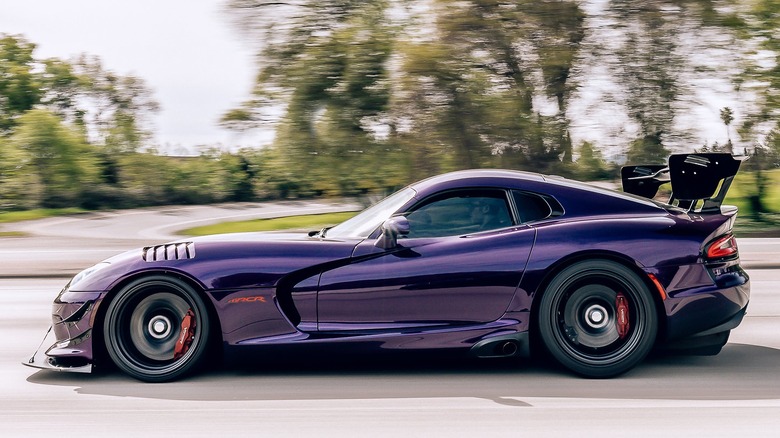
170 251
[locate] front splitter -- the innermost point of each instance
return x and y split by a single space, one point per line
42 361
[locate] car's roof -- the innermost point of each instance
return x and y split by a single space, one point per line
550 184
500 177
481 174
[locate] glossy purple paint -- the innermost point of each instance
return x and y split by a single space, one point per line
430 293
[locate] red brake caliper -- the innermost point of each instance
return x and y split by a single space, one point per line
186 336
621 304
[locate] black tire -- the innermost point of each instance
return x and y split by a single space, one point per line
578 320
143 324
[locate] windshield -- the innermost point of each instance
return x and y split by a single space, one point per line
371 218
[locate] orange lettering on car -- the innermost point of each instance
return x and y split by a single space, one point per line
254 299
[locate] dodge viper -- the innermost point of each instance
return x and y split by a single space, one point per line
487 263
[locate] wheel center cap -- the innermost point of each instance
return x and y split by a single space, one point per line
596 316
159 327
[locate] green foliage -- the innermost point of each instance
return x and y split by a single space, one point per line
18 187
237 119
108 108
113 107
367 96
40 213
148 179
305 222
19 86
591 166
330 72
61 125
756 22
765 157
55 156
743 191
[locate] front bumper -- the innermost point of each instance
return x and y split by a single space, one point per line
68 345
46 360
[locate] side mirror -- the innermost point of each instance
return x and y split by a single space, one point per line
391 229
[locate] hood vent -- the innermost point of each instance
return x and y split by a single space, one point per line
170 251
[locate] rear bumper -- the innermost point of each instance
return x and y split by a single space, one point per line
716 304
708 342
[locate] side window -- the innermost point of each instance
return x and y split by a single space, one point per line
460 212
531 207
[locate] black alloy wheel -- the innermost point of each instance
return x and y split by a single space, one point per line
597 318
156 329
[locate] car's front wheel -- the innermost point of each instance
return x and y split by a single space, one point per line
156 329
597 318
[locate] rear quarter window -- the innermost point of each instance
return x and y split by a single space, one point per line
532 207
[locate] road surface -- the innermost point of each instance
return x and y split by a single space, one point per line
734 393
63 246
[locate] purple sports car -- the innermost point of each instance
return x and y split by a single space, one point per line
491 263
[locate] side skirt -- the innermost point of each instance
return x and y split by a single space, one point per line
511 345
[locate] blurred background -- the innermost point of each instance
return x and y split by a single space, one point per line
358 98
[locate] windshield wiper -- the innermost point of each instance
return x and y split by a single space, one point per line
321 233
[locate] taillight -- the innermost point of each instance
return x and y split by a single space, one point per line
724 246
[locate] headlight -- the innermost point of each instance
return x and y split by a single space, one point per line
86 273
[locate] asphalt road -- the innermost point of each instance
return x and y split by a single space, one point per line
734 393
62 246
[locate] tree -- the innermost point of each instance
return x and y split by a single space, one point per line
115 108
758 24
765 156
647 66
591 165
359 85
19 188
50 110
62 90
108 108
325 70
469 90
58 157
19 85
727 116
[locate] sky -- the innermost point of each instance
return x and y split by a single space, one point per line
187 51
198 67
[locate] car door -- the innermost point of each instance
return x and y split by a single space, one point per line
460 264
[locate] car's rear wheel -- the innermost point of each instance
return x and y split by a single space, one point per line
156 329
597 318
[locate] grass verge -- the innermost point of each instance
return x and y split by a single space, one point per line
12 234
304 222
40 213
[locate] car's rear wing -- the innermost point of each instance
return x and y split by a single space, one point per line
694 178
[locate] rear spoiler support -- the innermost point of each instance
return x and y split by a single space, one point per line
694 178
